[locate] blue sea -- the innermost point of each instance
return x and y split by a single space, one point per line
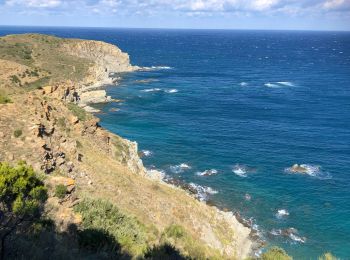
244 106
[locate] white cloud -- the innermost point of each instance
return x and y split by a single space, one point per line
35 3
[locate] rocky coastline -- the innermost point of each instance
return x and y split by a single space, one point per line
57 137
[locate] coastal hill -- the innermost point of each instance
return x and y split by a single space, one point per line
102 203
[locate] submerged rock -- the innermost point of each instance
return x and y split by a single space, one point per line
298 168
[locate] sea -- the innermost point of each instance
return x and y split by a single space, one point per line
231 111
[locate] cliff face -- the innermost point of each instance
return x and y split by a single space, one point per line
60 138
106 58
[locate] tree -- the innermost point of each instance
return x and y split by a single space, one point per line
22 196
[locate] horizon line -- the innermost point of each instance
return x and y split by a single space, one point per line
172 28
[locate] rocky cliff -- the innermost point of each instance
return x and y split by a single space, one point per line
47 128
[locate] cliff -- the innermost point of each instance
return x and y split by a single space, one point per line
45 126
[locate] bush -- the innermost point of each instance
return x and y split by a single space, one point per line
17 133
275 253
175 231
103 216
4 99
22 197
15 79
60 191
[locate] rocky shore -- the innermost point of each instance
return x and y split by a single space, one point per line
59 138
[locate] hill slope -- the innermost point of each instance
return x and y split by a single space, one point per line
61 140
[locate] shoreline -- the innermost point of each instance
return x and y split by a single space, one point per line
233 216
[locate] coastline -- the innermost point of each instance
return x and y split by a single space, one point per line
59 138
252 242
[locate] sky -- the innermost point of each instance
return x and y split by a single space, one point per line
197 14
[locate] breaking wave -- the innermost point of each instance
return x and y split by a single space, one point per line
242 170
282 213
174 90
146 153
151 90
279 84
202 192
207 172
179 168
308 169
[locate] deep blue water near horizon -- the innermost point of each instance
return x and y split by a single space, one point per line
264 99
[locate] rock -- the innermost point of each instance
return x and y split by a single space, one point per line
91 109
296 168
2 135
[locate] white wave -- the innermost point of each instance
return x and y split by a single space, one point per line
290 233
174 90
240 170
146 153
202 192
161 67
207 172
247 197
308 169
272 85
243 84
286 83
276 232
296 238
151 90
179 168
282 213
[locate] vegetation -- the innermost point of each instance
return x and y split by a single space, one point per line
15 80
4 99
275 253
61 191
79 112
17 133
104 217
22 196
190 248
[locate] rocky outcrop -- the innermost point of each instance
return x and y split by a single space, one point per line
106 58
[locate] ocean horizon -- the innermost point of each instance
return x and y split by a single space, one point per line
231 112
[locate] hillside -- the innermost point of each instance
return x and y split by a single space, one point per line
43 84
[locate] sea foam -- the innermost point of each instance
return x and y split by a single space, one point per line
310 170
242 170
282 213
179 168
202 192
207 172
151 90
146 153
173 90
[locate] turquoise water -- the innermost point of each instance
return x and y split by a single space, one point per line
248 104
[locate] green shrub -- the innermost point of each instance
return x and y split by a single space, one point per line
22 198
175 231
15 79
61 191
103 216
17 133
4 99
79 112
275 253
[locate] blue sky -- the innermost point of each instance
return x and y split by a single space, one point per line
213 14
